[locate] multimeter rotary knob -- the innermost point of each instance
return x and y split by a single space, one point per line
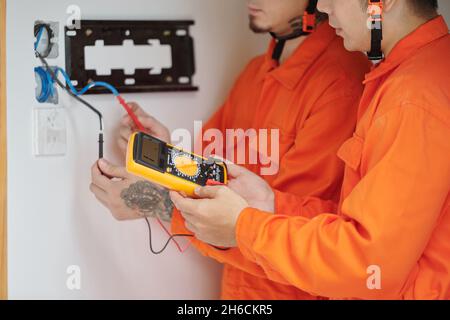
186 166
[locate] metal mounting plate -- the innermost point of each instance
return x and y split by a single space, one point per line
113 33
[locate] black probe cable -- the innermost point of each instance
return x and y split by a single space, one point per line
167 242
170 239
82 101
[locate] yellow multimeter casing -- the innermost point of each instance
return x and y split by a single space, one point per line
171 167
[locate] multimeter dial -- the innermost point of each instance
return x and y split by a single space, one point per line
184 164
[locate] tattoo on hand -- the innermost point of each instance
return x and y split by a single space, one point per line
149 200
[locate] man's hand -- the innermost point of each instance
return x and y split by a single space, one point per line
254 189
127 196
213 218
152 126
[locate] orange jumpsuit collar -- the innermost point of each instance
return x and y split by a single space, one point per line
405 48
294 68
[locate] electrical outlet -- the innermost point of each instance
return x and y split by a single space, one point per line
50 136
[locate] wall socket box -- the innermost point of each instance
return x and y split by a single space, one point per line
48 46
50 133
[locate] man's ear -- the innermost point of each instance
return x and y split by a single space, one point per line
389 5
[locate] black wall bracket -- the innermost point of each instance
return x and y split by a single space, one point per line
113 33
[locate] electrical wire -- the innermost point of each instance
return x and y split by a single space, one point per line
46 81
88 87
38 39
38 32
172 237
54 78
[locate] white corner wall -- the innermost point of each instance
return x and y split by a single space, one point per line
444 9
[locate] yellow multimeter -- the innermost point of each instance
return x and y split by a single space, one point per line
171 167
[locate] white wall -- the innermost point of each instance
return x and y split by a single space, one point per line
444 9
53 219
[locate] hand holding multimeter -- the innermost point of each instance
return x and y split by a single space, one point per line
171 167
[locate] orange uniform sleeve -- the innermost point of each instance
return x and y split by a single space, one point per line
308 207
386 221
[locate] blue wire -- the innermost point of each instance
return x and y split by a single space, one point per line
47 90
39 36
48 81
88 87
100 84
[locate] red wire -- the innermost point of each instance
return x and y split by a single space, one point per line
182 250
131 113
141 128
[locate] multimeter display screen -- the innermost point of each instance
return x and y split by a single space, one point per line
150 152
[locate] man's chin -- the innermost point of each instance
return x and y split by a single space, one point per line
257 28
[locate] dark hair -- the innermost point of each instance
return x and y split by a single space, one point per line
424 7
421 8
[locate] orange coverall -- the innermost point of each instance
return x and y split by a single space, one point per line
312 98
394 212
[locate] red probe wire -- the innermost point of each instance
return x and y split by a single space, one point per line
140 127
